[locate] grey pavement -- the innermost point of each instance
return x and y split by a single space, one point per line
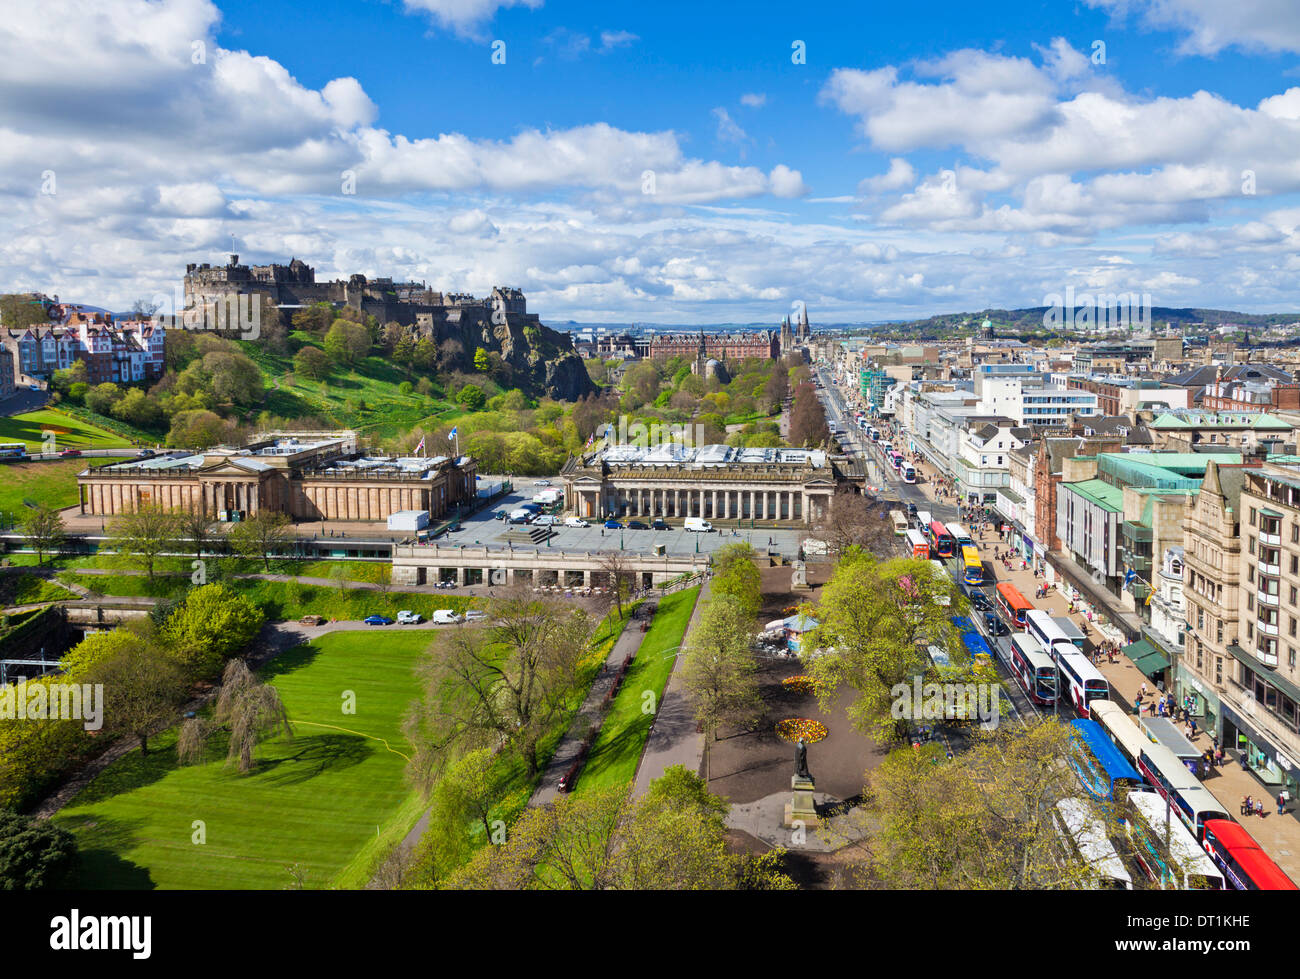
674 738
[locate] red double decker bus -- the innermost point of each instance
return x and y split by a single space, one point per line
941 542
1247 867
1013 605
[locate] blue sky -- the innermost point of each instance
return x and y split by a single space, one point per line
926 157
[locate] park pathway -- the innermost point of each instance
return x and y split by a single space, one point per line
674 736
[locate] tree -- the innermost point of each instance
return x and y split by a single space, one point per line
347 343
502 685
674 838
874 619
193 523
43 528
736 576
462 804
720 671
142 687
983 822
253 712
808 418
848 522
472 397
481 362
312 362
261 535
618 577
35 854
145 534
213 624
199 429
101 398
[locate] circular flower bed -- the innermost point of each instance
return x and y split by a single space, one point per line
801 683
794 728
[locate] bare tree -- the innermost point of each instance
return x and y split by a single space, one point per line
43 528
145 534
194 523
852 521
261 535
618 577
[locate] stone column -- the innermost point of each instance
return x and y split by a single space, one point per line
804 505
677 503
752 512
714 512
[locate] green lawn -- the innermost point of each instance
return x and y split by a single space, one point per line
320 801
617 749
19 588
52 483
71 432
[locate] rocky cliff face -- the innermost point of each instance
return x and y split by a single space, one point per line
541 361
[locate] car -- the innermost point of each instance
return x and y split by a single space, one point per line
911 509
659 525
979 602
70 453
541 482
445 616
546 520
407 617
476 615
995 626
501 515
377 620
637 525
33 387
613 525
575 522
312 620
145 454
534 507
521 516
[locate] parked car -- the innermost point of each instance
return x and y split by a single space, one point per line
70 453
534 507
33 387
637 525
377 620
575 522
445 616
407 617
659 525
501 515
613 525
979 603
312 620
541 482
476 615
995 626
145 454
521 516
546 520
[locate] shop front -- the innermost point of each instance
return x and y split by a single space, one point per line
1269 764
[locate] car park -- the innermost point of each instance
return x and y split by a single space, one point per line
407 617
377 620
446 616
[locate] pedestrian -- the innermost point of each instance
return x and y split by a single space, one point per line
1192 724
1218 756
1281 803
1144 690
1245 805
1259 808
1137 706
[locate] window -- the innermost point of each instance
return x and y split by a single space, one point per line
1218 671
1295 564
1200 618
1293 594
1291 627
1295 533
1218 630
1252 516
1250 545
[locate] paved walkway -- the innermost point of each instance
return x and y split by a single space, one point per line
674 738
589 715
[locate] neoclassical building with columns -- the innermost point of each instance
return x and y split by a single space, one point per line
714 482
309 476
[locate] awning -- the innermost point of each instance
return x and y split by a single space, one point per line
1146 657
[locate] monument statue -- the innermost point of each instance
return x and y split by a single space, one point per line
799 575
801 760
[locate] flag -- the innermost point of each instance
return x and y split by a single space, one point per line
452 434
590 438
420 448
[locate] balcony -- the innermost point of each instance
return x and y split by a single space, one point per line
1273 569
1265 629
1265 598
1274 539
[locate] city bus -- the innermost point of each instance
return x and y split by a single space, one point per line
981 656
899 521
1042 627
1087 835
1082 681
873 433
1033 669
1013 605
1163 731
1119 727
919 545
909 474
961 535
972 566
1164 849
923 520
1100 767
1190 800
13 450
942 572
1247 867
940 540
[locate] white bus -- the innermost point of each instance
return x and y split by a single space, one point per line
13 450
899 521
1082 681
1121 730
1192 801
1165 850
1041 627
923 520
1087 835
909 474
919 546
960 535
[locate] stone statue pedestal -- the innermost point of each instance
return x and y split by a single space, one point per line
799 577
801 807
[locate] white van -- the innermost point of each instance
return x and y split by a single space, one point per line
546 520
697 525
575 522
445 616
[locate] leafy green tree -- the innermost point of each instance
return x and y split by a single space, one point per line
312 362
43 528
481 362
261 535
142 688
35 854
347 343
198 429
102 397
145 535
720 671
213 624
736 576
874 621
472 397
